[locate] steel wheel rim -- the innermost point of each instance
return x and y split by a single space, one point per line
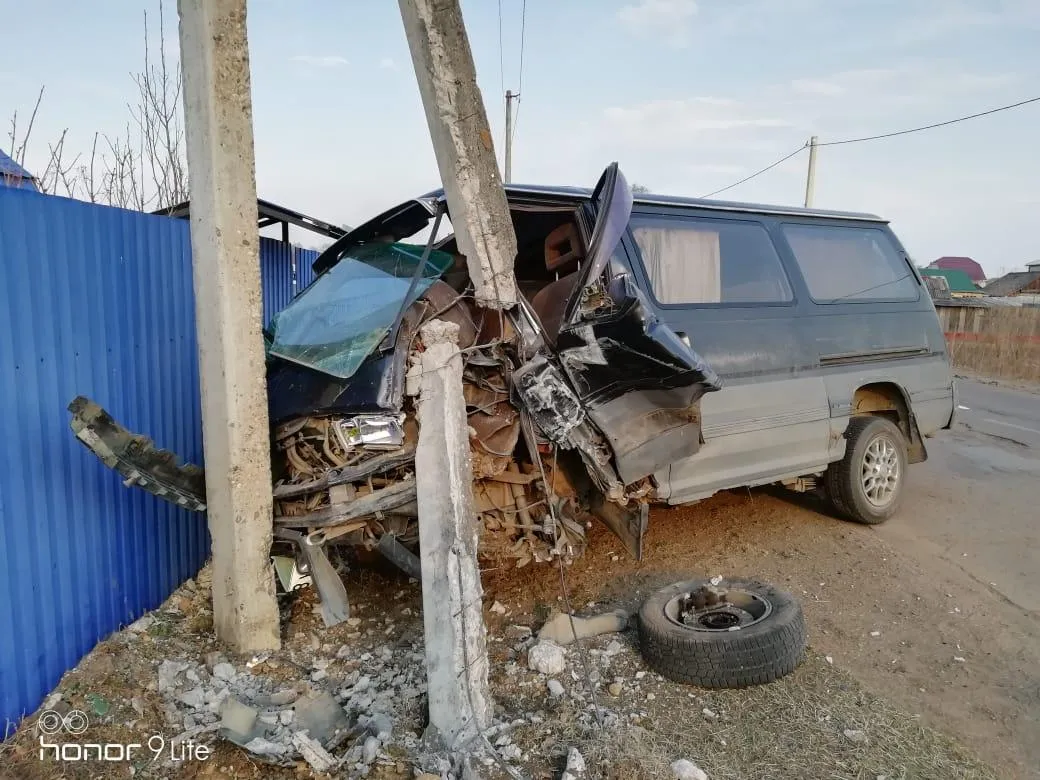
881 471
741 610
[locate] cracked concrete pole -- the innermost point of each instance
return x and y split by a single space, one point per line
225 256
463 146
456 639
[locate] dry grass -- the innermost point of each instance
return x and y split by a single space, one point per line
1005 343
791 728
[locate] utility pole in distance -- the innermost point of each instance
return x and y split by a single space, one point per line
463 146
218 119
810 177
509 136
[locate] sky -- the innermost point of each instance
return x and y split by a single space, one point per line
687 95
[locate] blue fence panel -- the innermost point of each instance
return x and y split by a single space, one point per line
95 301
276 276
304 275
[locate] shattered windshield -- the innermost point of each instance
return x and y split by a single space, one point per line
337 322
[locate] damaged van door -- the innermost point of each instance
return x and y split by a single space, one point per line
626 371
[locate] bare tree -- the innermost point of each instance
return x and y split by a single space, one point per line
18 148
59 175
122 177
19 145
159 122
141 168
87 174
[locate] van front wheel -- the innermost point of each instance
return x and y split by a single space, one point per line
867 485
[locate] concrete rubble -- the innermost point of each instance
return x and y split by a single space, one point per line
563 629
575 765
364 710
547 658
366 715
345 722
855 735
687 770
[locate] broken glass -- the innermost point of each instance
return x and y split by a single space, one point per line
337 322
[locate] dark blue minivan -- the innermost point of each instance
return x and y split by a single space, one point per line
646 349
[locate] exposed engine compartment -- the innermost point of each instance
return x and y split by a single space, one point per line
352 475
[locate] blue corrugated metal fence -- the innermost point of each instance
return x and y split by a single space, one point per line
95 301
276 276
280 280
304 275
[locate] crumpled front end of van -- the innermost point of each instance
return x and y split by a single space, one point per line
565 426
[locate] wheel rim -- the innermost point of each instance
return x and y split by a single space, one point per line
732 609
881 471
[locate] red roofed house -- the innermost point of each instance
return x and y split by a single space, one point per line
966 264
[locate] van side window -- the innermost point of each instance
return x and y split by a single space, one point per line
850 264
696 261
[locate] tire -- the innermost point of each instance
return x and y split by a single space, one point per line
847 480
761 652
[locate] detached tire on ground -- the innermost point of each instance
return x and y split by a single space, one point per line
754 635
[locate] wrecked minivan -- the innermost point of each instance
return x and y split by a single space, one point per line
575 397
587 401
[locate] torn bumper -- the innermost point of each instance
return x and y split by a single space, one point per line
136 458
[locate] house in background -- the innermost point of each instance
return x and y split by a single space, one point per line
1017 283
958 283
14 175
965 264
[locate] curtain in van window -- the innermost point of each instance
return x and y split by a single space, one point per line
684 265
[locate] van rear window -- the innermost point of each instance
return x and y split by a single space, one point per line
850 264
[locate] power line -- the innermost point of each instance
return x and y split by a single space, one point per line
520 78
523 31
930 127
877 137
783 159
501 56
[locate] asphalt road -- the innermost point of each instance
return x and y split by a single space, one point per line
1000 411
975 501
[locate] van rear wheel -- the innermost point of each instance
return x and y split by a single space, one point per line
867 485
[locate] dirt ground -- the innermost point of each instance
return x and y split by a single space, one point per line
896 686
959 655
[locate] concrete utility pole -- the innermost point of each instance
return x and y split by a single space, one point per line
509 136
456 639
810 177
463 146
225 251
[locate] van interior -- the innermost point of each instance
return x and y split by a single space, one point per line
550 253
